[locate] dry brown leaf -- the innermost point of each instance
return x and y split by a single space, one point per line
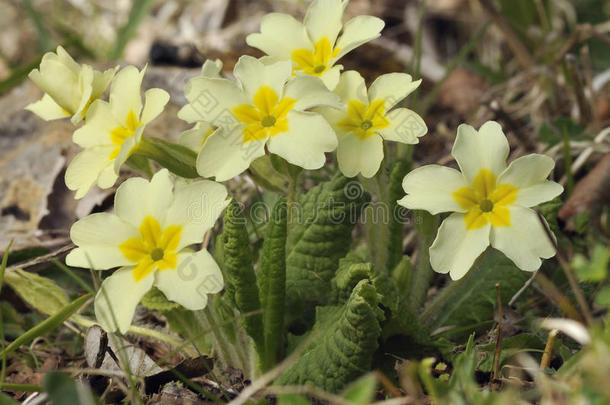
590 194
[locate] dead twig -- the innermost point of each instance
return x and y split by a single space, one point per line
521 53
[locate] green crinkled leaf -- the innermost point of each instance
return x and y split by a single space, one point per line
241 286
343 341
471 302
40 292
398 214
351 270
272 284
319 235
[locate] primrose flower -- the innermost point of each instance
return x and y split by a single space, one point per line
195 137
490 202
148 237
69 88
369 120
315 45
265 108
112 130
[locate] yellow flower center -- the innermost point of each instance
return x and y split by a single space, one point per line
486 201
154 249
266 116
119 134
363 120
317 62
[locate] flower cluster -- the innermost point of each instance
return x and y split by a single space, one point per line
296 103
112 129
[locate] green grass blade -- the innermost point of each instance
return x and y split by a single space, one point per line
44 37
139 10
47 325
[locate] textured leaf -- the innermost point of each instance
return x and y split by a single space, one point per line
272 284
319 235
343 342
239 271
398 214
473 300
351 270
40 292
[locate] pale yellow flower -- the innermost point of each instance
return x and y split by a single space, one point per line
490 202
112 130
370 119
195 137
265 108
315 45
148 237
69 88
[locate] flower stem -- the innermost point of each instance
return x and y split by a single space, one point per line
176 158
440 301
426 229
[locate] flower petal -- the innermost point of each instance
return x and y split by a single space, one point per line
252 74
98 125
330 78
196 275
485 149
127 148
155 101
405 126
138 198
101 80
211 68
47 109
86 167
351 86
196 207
280 35
356 155
310 91
59 78
116 301
431 188
308 138
211 100
528 174
224 155
324 19
392 88
524 241
357 31
196 137
98 237
455 249
125 92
